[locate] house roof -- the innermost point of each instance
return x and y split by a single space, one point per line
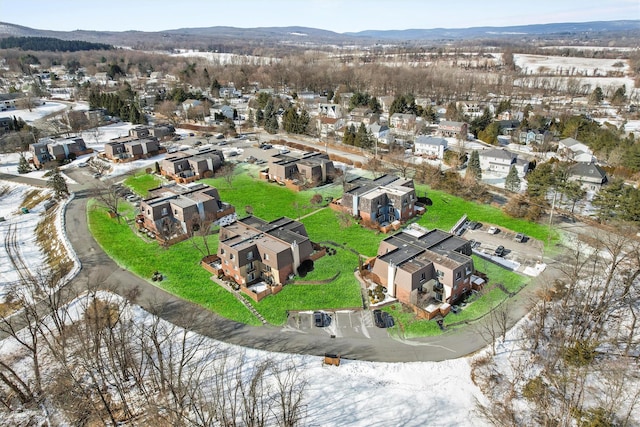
435 246
430 140
498 153
588 170
569 142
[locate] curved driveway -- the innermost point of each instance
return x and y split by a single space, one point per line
100 270
97 266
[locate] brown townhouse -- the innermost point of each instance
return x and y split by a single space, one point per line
416 261
169 210
252 250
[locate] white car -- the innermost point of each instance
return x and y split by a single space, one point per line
492 230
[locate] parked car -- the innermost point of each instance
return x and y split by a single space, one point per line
83 165
378 319
474 225
455 309
197 143
499 251
320 319
493 230
266 146
519 238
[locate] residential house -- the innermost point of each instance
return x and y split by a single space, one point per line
591 176
220 112
170 211
380 201
572 149
500 160
229 92
333 111
403 122
48 149
163 131
470 109
507 127
312 169
189 104
360 115
430 147
378 131
450 129
328 126
534 136
416 266
192 164
253 250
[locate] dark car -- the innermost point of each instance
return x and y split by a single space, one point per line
474 225
321 319
197 143
378 319
455 309
499 251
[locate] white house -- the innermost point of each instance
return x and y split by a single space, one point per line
378 131
591 176
430 147
499 161
573 149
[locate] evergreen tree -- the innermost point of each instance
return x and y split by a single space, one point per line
349 137
23 165
607 201
58 184
512 183
490 133
362 137
473 166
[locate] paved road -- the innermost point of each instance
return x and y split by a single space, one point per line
99 270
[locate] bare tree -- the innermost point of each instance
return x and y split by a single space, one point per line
227 172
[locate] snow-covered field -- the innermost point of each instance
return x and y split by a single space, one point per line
24 226
36 113
569 65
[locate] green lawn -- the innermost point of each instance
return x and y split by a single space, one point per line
270 201
142 182
179 264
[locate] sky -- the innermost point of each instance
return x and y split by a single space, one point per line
334 15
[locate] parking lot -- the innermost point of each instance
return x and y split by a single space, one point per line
526 253
343 324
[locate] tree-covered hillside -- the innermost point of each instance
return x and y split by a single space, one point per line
50 44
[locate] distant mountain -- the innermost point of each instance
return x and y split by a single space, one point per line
488 32
214 37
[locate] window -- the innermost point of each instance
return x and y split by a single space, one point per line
458 275
221 251
266 257
250 255
164 211
175 211
423 277
231 256
439 273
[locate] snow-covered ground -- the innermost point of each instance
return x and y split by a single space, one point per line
24 226
569 65
36 113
